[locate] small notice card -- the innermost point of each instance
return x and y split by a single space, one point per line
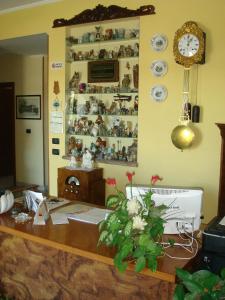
56 122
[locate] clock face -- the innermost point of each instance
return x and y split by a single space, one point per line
188 45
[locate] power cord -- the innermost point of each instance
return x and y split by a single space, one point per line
191 241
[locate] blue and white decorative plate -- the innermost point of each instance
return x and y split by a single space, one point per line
159 68
159 93
159 42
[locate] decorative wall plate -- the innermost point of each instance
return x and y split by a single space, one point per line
159 68
159 93
159 42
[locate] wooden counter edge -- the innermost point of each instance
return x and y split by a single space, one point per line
93 256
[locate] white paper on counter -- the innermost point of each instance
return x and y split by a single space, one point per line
59 218
52 204
93 215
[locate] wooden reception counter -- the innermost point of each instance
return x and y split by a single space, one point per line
63 262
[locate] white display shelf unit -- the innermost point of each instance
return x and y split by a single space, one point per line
115 89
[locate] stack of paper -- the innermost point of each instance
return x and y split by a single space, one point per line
93 215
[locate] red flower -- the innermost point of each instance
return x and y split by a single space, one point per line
111 181
130 176
155 178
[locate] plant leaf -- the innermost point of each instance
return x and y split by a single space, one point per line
138 252
140 264
156 230
112 217
102 236
121 196
193 296
109 239
121 266
101 225
128 228
222 273
112 201
143 239
125 249
193 286
183 274
171 242
206 279
179 292
148 199
152 262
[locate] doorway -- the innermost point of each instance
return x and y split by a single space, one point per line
25 62
7 135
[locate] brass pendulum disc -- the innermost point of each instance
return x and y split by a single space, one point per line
182 136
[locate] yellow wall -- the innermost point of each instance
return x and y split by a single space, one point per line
26 72
198 166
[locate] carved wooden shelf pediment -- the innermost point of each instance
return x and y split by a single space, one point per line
102 13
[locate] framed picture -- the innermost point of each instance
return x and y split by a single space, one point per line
28 107
103 71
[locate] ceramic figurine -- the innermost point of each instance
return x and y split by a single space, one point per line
98 33
136 103
113 108
108 34
71 144
87 161
93 105
94 130
73 163
81 109
122 52
135 75
129 51
74 82
132 152
136 49
82 87
92 37
86 37
126 81
135 131
121 33
102 54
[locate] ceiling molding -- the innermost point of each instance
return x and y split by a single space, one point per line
25 6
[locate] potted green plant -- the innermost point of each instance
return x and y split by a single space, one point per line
133 227
200 285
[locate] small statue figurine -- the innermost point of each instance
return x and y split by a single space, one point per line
74 82
73 162
126 81
98 33
71 144
87 161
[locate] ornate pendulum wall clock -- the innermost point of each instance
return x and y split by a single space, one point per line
188 49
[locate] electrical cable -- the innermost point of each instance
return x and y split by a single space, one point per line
189 247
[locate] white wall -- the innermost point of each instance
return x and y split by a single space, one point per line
26 72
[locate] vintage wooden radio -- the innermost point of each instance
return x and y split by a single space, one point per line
82 185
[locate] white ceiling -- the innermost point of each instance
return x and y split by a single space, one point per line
26 45
36 44
7 6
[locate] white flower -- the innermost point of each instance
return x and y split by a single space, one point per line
133 206
138 223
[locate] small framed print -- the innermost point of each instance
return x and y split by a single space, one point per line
103 71
28 107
